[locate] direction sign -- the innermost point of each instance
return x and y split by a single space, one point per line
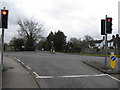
113 61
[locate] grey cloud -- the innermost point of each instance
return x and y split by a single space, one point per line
70 16
14 14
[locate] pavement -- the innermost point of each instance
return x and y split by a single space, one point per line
101 67
16 76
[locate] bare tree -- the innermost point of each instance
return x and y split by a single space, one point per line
88 41
76 42
31 31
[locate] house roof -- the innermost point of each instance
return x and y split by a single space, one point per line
99 41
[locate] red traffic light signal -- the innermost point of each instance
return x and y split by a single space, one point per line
108 25
109 20
4 12
4 18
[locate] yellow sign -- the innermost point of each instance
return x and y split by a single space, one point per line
113 61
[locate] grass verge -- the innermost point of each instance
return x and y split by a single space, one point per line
100 55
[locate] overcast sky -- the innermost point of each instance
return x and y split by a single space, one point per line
75 18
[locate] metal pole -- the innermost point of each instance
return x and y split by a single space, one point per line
105 44
2 48
106 50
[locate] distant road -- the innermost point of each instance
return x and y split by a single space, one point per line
62 70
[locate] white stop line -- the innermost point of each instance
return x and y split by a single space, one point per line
75 76
71 76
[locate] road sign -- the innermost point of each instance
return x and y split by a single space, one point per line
113 61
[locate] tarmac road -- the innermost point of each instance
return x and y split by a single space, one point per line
62 70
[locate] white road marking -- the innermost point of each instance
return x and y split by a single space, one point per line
95 75
18 60
45 77
22 63
28 67
70 76
113 77
76 76
36 74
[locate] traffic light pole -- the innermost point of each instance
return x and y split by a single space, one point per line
106 50
4 25
2 48
106 28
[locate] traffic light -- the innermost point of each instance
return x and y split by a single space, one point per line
108 25
102 26
4 18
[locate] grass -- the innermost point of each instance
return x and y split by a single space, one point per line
100 55
18 51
